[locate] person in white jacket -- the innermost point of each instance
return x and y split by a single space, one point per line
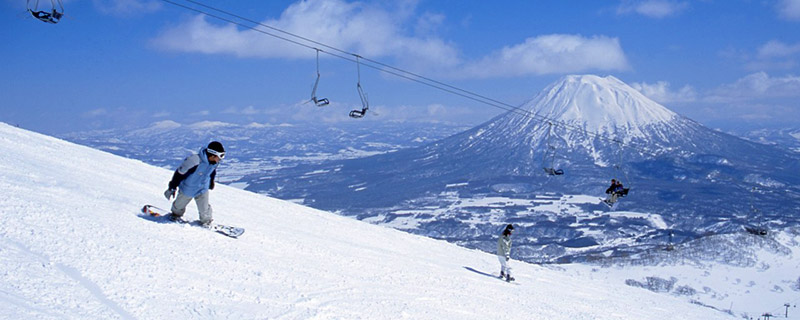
504 253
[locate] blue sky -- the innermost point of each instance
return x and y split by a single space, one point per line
129 63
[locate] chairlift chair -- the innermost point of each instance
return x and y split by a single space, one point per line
553 172
549 166
53 16
760 229
357 114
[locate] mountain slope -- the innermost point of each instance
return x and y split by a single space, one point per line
588 113
699 180
72 246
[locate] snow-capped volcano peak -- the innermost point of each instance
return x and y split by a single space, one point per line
599 105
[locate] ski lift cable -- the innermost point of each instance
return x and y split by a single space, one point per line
392 70
412 74
405 74
794 303
398 72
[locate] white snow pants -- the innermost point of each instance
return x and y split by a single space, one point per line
203 208
612 198
505 267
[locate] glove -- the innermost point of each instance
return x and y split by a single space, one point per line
170 193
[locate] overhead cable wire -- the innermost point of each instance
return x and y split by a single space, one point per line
362 57
399 72
377 65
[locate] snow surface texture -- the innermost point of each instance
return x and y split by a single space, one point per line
744 274
73 246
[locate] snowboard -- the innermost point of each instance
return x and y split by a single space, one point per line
162 216
612 206
514 282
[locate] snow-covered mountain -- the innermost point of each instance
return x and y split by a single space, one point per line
696 179
590 104
257 149
747 275
73 246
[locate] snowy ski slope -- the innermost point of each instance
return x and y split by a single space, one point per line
72 246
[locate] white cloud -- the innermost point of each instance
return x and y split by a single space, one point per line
789 9
437 109
652 8
377 32
428 23
96 112
126 7
369 31
556 53
249 110
661 93
757 86
756 99
772 55
776 48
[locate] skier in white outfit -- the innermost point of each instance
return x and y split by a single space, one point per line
504 253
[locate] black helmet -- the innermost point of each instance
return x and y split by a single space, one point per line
508 229
216 149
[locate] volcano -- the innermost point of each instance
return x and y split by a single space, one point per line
594 129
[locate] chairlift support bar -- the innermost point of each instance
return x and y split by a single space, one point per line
550 152
628 181
319 102
356 114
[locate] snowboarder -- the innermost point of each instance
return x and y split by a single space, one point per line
504 253
193 179
613 192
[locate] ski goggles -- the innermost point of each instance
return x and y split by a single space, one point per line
221 155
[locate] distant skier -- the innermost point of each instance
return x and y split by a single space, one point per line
504 253
614 191
193 179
